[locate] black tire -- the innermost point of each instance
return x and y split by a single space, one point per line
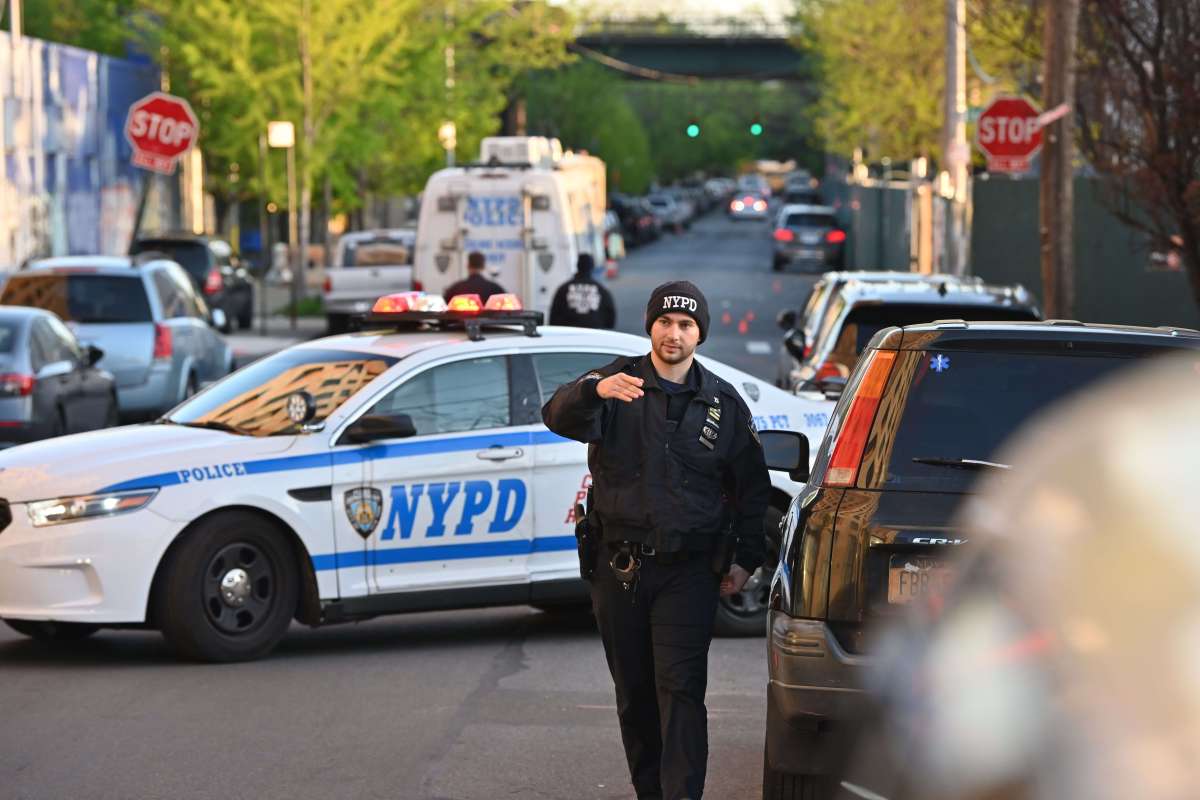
745 613
112 417
228 590
190 388
47 631
58 427
245 318
776 265
786 786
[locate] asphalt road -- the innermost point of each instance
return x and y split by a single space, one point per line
469 705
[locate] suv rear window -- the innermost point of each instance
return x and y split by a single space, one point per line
195 257
378 253
9 331
963 405
866 321
80 297
809 221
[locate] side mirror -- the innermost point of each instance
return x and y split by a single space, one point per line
218 319
786 451
380 426
55 369
786 319
795 342
92 355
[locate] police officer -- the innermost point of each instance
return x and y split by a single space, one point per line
475 282
677 473
582 301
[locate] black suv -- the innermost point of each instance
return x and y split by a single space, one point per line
214 272
922 416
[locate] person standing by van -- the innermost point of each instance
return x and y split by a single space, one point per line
583 302
475 282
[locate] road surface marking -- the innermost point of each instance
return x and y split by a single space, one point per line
758 348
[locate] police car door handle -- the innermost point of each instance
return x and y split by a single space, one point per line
497 453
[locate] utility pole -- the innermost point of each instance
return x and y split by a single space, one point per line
1057 190
955 152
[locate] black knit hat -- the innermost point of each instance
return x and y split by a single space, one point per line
585 263
678 297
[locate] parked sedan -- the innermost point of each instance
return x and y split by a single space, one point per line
809 236
209 264
49 384
155 330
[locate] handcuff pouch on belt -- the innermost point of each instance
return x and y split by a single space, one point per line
625 564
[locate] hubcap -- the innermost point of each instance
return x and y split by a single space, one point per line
239 588
235 588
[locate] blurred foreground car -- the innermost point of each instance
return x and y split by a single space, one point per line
405 468
49 384
146 317
922 418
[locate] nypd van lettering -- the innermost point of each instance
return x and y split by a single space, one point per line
506 500
211 472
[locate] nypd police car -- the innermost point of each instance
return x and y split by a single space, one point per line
398 469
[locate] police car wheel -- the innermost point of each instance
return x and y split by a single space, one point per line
745 613
48 631
228 591
786 786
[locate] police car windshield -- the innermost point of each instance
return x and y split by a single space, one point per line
253 400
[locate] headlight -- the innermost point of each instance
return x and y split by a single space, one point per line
69 509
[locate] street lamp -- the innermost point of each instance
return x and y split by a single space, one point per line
282 135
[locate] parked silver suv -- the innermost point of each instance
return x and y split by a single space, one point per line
156 332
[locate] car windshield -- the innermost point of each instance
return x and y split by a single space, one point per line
253 400
83 298
963 405
378 253
9 331
195 257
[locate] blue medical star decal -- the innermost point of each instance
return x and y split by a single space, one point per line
940 363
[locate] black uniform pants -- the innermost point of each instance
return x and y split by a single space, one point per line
656 639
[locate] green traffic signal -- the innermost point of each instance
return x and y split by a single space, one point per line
756 129
693 130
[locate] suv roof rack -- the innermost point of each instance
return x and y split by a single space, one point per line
473 324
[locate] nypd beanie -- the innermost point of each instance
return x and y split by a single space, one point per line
678 297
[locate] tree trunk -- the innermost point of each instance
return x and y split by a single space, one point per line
1056 195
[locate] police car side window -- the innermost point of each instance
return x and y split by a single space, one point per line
555 369
461 396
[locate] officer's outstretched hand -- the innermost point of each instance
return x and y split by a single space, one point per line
734 581
620 387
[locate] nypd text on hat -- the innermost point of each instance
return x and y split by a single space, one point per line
678 301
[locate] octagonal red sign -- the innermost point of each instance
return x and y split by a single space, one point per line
161 128
1009 134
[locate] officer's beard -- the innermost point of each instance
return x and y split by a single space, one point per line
678 355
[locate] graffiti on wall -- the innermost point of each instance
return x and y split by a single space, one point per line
66 182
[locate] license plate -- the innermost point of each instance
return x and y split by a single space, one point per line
807 253
915 577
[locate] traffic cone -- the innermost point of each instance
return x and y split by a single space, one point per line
610 269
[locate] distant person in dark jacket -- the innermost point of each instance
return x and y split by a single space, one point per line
582 302
475 282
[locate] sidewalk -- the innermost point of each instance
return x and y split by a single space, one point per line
254 343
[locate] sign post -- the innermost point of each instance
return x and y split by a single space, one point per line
1009 133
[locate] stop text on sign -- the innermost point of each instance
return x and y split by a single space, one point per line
169 131
1014 130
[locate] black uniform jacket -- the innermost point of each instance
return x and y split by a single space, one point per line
583 303
669 489
474 284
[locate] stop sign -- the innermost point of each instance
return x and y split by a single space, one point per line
1009 134
161 128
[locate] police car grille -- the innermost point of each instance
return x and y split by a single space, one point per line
5 515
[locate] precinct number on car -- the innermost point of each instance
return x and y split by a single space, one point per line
912 577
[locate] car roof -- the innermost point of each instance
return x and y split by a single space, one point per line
22 313
936 292
175 236
122 266
1050 330
801 208
878 276
401 344
379 233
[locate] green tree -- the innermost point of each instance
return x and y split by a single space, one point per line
98 25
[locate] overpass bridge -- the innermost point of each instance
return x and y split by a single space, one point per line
685 53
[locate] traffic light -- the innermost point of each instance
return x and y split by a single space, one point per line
693 129
756 128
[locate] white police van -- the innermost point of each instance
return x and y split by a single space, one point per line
339 479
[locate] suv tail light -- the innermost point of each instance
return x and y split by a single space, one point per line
835 237
162 341
327 286
213 282
852 438
16 385
784 235
418 286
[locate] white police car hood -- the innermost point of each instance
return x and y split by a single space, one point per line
87 463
